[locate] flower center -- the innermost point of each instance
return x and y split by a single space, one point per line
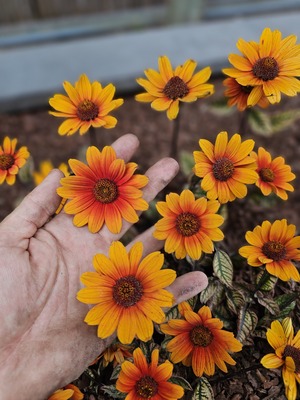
6 161
201 336
266 175
176 88
223 169
87 110
187 224
146 387
266 68
291 351
274 250
105 191
127 291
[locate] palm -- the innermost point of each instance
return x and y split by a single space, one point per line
43 336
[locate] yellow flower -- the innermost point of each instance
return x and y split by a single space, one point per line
274 245
225 167
238 95
270 66
287 354
166 88
86 104
69 392
274 175
147 381
188 225
129 292
44 168
11 160
200 341
116 353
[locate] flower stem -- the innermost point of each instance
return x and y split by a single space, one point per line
174 140
243 121
93 137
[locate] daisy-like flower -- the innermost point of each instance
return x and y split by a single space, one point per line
287 354
45 168
11 160
116 353
238 95
271 66
129 292
105 190
69 392
225 167
147 381
86 104
274 245
200 341
274 175
166 88
188 226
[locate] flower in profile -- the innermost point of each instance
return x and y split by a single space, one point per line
11 160
274 175
105 190
225 167
166 88
200 341
69 392
270 66
238 95
129 292
287 354
189 225
274 245
147 381
86 104
44 168
116 353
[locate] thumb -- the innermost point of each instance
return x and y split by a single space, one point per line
34 211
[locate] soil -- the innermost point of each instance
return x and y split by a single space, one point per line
38 131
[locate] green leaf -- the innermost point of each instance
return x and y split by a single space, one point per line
223 267
284 119
286 303
173 313
235 300
203 390
178 380
221 312
113 392
220 107
260 122
116 372
212 292
247 320
267 302
265 281
186 162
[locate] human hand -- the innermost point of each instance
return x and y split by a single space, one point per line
44 342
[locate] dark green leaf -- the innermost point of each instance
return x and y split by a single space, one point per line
113 392
265 281
247 320
267 302
235 300
223 267
203 390
186 162
260 122
178 380
116 372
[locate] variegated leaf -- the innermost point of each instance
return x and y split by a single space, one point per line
223 267
203 390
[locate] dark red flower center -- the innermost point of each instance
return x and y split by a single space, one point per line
266 68
146 387
87 110
294 353
105 191
201 336
176 88
127 291
223 169
6 161
266 175
187 224
274 250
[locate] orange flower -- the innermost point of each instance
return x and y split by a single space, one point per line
276 246
11 160
225 167
287 354
105 190
200 341
274 175
69 392
116 353
271 66
147 381
188 226
166 88
128 292
87 104
238 94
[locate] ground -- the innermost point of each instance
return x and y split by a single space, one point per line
38 131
